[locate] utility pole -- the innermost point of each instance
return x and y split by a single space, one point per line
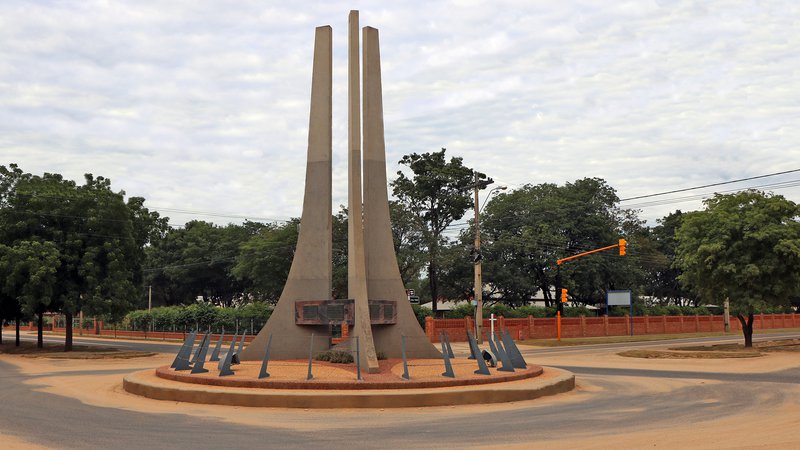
477 257
726 317
150 305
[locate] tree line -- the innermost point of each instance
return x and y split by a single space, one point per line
67 247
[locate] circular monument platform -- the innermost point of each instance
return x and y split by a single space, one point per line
336 385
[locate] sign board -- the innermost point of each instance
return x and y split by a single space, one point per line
618 298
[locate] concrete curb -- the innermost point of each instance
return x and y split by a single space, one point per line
147 384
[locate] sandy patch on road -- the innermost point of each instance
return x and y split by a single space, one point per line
13 443
777 430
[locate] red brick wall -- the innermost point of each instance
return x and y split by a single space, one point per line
533 328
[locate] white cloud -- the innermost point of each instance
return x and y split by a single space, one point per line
204 105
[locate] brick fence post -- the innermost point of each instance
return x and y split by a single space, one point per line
583 325
530 326
501 324
469 324
646 324
696 323
430 328
605 325
681 316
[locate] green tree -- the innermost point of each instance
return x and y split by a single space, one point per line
90 226
264 260
408 240
744 247
198 260
339 233
29 272
437 193
525 231
658 250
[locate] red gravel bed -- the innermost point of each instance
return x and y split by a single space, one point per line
291 374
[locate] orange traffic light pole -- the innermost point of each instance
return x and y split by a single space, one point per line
622 251
622 245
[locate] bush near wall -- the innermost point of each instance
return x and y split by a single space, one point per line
502 309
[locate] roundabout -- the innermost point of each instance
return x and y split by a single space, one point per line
335 386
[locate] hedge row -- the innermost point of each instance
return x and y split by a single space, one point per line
202 315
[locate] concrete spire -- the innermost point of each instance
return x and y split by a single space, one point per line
310 277
383 274
356 263
373 275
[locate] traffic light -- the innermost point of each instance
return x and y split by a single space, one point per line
563 296
622 244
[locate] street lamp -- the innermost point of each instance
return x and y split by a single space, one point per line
478 185
491 192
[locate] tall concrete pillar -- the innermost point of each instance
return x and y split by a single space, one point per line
383 274
310 277
356 264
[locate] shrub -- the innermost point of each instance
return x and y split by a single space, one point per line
577 311
421 314
335 356
461 311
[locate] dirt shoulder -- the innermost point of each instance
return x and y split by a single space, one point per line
56 351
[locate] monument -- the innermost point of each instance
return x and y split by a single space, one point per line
377 307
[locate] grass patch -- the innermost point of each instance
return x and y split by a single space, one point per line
790 345
717 351
569 342
665 354
56 351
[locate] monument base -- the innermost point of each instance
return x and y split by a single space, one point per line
336 386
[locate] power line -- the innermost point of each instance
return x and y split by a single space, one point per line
668 201
710 185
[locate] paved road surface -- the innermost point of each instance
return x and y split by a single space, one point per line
57 421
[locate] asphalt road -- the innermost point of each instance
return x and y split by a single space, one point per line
62 422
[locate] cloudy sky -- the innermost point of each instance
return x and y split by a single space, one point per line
201 107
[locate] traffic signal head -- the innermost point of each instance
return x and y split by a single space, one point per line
622 244
563 296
